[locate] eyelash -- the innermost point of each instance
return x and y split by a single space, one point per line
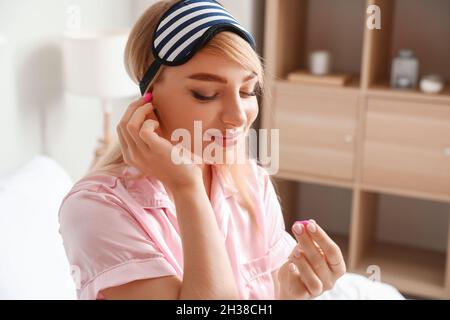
203 98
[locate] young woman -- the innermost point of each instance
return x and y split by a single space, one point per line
140 226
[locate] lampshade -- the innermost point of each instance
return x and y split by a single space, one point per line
93 64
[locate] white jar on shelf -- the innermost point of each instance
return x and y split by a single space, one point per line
320 62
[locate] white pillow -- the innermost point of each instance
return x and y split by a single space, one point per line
33 261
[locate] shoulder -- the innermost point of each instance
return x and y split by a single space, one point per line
112 200
89 210
88 191
95 215
98 201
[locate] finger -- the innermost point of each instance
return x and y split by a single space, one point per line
331 250
155 142
323 272
153 116
133 106
310 279
296 287
127 144
136 122
313 254
121 127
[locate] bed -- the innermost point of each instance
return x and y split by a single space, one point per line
33 263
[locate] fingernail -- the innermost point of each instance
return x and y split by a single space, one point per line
292 267
298 228
297 252
312 226
148 97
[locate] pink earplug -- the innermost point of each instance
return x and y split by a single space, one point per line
303 222
148 97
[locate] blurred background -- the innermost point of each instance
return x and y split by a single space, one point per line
363 111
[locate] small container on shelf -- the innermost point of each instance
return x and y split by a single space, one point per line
405 70
320 62
432 84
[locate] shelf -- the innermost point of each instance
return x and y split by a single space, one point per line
353 85
293 86
422 27
405 193
304 26
378 143
412 270
329 24
394 236
384 90
316 179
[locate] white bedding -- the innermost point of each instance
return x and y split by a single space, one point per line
356 287
33 263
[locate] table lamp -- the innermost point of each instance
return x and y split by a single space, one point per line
93 65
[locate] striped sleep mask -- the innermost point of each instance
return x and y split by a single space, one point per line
184 29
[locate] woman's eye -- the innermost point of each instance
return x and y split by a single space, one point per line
200 97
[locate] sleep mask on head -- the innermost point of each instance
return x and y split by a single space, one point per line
184 29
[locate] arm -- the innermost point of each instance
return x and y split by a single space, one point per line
207 270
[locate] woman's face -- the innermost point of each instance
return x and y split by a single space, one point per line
211 89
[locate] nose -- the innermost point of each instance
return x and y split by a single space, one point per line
234 114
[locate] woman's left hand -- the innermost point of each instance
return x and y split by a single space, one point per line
313 266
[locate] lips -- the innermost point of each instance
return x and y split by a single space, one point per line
226 142
228 139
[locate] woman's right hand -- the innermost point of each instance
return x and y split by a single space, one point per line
144 148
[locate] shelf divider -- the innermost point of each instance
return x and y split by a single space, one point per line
363 225
376 45
447 263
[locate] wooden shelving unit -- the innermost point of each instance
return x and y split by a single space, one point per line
365 137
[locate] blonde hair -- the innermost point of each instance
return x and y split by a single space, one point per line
138 57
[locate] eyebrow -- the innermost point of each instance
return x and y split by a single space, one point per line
215 78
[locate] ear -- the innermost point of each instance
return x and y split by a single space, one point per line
153 96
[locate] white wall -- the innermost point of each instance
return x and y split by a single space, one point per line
31 82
